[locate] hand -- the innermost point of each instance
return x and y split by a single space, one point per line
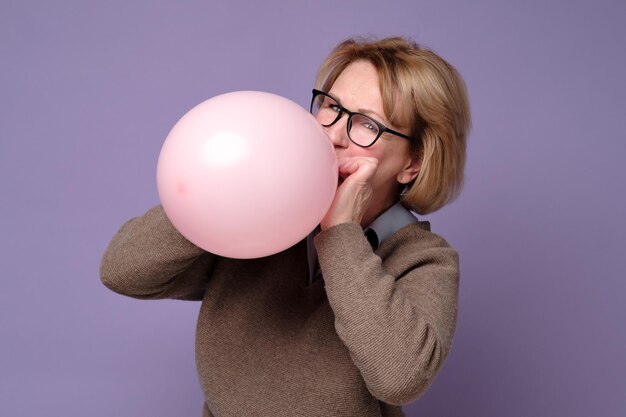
354 194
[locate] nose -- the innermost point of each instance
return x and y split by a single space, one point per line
338 132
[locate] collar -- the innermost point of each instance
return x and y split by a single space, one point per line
389 222
392 220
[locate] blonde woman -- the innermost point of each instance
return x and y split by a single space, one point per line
357 319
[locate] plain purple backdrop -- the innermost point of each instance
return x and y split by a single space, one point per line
90 90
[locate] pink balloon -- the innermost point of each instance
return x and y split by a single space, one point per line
246 174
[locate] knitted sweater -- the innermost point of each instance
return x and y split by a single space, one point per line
363 340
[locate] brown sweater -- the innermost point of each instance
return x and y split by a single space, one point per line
363 340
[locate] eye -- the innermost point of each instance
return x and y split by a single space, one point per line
369 125
334 107
331 105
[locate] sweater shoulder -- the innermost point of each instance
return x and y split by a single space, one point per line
415 236
415 246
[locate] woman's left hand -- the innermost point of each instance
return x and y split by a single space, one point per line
354 193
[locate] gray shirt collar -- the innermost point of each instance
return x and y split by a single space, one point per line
389 222
392 220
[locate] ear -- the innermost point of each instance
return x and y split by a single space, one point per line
410 170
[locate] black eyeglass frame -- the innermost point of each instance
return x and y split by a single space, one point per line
381 127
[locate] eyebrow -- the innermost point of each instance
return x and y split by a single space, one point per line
366 112
378 116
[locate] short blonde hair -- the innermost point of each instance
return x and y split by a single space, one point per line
424 94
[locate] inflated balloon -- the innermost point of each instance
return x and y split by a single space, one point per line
246 174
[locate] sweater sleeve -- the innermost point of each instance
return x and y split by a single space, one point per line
149 259
398 321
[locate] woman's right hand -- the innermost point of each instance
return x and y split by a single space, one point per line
354 193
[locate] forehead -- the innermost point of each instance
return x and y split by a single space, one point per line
358 87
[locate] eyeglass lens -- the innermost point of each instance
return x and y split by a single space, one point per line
361 129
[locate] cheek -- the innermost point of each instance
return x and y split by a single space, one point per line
391 160
371 152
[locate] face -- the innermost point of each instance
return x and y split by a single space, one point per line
357 89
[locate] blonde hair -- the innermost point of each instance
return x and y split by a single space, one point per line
424 94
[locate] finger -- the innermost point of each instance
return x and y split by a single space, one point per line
358 168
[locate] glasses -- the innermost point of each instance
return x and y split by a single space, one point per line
362 130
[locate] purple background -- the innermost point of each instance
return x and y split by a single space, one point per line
90 90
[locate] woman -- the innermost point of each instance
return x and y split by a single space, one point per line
344 323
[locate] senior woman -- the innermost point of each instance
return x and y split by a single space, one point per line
357 319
